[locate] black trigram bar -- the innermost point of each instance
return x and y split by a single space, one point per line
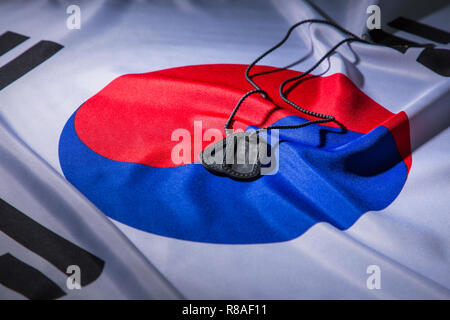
9 40
50 246
382 37
421 30
437 60
27 61
26 280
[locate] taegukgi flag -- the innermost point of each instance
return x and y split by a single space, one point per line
105 107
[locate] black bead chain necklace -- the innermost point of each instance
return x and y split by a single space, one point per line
239 155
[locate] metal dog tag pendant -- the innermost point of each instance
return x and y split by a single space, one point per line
238 156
